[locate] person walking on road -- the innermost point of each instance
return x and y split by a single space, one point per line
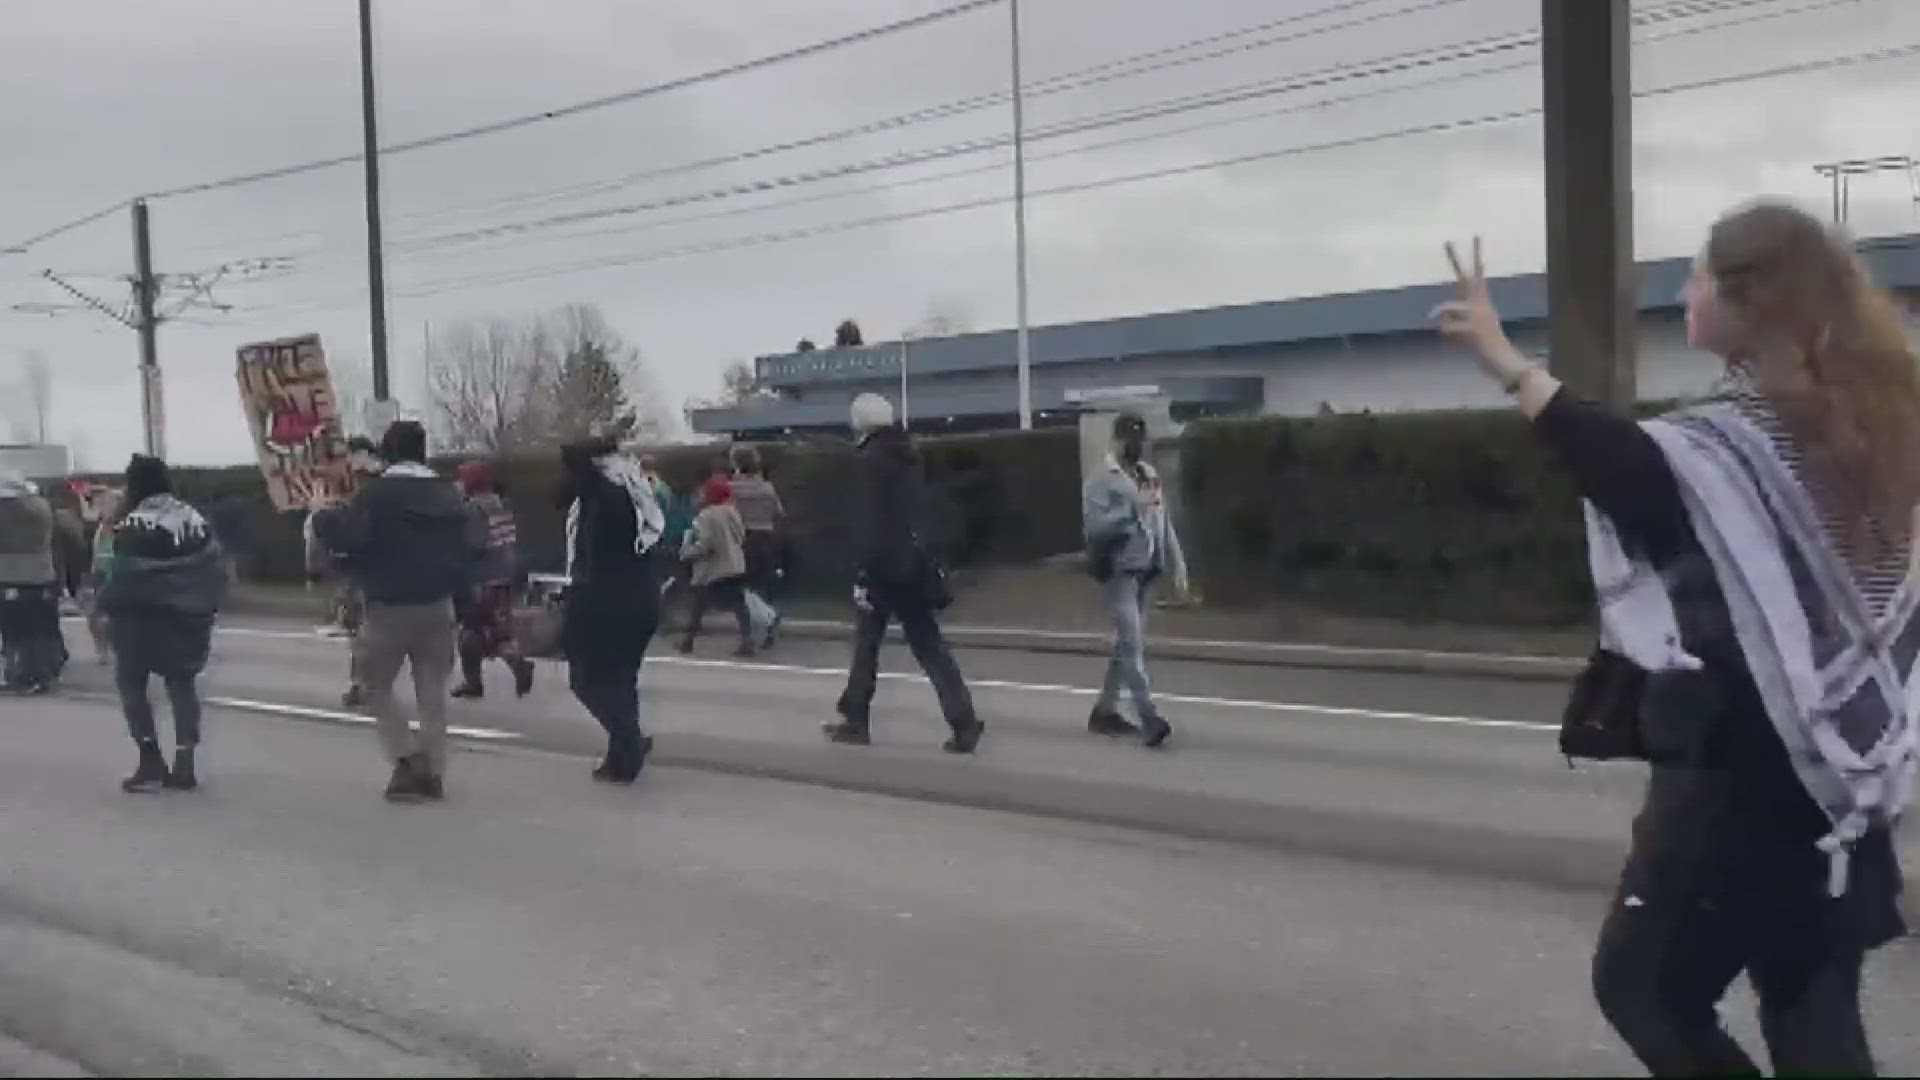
716 555
411 546
162 595
486 617
1754 556
99 571
765 518
31 645
896 577
348 607
1131 543
614 522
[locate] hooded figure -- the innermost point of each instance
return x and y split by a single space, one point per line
895 577
169 579
614 523
486 617
29 591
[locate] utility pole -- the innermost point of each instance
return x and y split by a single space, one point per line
1023 350
376 261
1592 283
145 291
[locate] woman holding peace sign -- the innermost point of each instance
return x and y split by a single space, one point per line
1753 554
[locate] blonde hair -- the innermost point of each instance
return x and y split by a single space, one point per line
1830 353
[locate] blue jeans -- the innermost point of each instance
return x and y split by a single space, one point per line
1126 599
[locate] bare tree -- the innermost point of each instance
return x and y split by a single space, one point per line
502 386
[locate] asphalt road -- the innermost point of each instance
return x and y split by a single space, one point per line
286 921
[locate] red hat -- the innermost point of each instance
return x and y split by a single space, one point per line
719 489
477 476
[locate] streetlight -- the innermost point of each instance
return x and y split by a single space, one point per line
1022 346
376 264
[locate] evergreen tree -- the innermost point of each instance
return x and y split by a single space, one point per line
590 396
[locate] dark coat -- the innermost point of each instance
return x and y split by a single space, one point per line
406 539
886 511
168 583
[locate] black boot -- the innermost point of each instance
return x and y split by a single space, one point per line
471 685
522 677
965 738
182 777
1106 721
1155 731
151 773
853 729
405 786
432 787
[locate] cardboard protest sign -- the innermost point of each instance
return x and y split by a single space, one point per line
290 405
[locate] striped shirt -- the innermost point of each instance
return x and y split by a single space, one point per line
1877 583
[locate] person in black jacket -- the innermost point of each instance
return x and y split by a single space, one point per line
1727 871
896 578
614 521
411 547
169 579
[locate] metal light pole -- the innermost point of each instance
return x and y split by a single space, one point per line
1022 345
376 262
906 336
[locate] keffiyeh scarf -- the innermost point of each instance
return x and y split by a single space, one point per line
649 520
1833 654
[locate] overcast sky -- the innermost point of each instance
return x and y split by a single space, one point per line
108 98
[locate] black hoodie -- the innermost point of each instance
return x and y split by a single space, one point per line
406 538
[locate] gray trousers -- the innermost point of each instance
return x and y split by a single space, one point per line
1125 596
420 636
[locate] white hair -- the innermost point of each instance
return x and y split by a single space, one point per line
871 412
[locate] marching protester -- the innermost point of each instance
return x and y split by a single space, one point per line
411 546
99 571
486 615
33 648
1131 543
167 581
896 577
716 553
612 607
348 606
1753 554
760 510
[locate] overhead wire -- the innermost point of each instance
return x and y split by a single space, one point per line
1881 55
1398 63
498 126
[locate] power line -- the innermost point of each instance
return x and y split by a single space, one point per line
1394 64
1123 67
1232 95
611 262
1105 71
498 126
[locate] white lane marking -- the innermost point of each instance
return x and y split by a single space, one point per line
1041 688
1277 647
483 734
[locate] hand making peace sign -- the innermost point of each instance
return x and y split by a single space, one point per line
1470 320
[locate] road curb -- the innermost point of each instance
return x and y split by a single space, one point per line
1552 669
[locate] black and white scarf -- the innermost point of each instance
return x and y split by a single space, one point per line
649 520
1831 648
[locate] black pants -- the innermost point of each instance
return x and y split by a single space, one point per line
929 648
33 647
728 594
763 550
608 623
177 653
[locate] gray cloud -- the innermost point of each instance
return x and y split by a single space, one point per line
131 97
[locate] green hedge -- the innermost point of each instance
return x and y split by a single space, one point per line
1446 515
1450 515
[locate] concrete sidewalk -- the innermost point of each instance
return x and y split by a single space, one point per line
1540 667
